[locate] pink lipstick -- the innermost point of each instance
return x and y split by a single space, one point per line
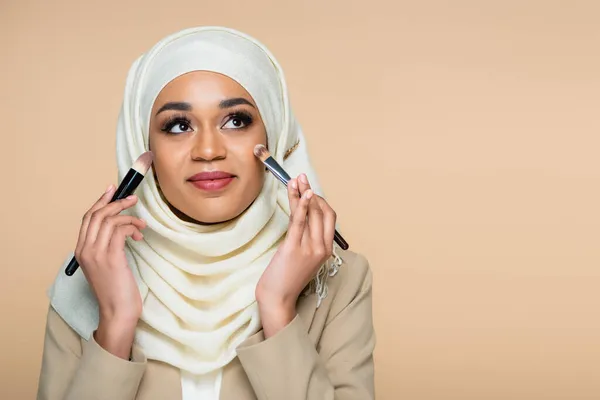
211 180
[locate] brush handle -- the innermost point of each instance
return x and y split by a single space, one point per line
127 187
340 240
72 267
284 178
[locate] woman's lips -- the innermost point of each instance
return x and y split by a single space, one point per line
213 184
210 181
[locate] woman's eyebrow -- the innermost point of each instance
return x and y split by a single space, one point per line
228 103
183 106
177 105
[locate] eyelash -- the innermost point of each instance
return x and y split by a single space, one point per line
244 116
175 120
181 119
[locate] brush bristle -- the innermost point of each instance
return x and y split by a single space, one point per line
142 164
261 152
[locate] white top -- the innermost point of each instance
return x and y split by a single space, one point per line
201 387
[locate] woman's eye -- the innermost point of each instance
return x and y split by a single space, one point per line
234 123
180 128
177 126
239 121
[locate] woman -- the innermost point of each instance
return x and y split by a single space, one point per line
214 281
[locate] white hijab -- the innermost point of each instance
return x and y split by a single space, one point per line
198 282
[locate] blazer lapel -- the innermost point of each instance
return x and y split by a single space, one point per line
235 384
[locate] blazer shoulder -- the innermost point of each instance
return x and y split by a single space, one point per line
353 278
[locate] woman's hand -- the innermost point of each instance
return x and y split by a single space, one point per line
101 255
308 243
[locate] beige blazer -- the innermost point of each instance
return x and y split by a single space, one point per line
324 354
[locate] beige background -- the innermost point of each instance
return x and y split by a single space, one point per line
468 131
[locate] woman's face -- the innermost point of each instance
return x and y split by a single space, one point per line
203 129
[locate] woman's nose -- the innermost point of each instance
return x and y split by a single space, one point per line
209 146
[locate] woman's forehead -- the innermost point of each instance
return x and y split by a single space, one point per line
202 87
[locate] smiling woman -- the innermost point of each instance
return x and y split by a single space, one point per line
202 132
217 282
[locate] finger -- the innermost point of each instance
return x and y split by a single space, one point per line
303 184
101 202
293 194
298 219
108 210
315 223
329 219
110 224
117 240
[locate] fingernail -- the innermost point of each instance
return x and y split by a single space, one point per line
294 184
308 194
109 188
303 178
131 197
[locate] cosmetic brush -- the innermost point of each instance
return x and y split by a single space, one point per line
264 155
134 177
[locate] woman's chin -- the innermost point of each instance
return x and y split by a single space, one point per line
207 216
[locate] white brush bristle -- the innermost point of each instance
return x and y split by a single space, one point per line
261 152
142 164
